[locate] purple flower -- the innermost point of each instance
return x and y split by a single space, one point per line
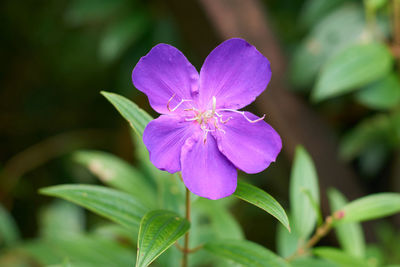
201 132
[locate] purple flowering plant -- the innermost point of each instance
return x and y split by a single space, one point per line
201 131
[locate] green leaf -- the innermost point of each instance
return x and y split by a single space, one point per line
117 206
381 129
354 67
312 262
339 257
371 207
80 250
263 200
286 242
60 219
117 173
350 235
159 230
137 117
9 233
223 224
383 94
330 35
303 179
120 35
245 253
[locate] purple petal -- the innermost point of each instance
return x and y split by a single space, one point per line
250 146
163 72
164 138
235 73
205 171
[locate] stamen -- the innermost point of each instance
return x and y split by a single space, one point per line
225 121
214 105
177 106
244 115
191 119
217 127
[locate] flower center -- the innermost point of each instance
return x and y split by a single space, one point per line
209 120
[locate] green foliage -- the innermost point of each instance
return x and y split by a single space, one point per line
245 253
354 67
263 200
315 10
339 257
158 231
9 233
371 207
137 118
381 129
61 219
120 35
304 193
312 262
286 242
223 224
119 207
117 173
383 94
336 31
350 235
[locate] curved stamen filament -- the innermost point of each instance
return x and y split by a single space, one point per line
177 106
243 114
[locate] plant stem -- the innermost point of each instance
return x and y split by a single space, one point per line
321 231
186 244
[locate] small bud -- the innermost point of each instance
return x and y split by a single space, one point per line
339 215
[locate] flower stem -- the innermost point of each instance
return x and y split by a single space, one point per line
186 244
321 231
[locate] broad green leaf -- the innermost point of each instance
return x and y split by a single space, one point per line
286 242
303 179
263 200
312 262
371 207
350 235
382 94
9 233
60 219
120 35
137 118
223 224
352 68
245 253
159 230
117 206
117 173
381 129
332 34
339 257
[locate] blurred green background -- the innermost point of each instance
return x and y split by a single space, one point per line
58 55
